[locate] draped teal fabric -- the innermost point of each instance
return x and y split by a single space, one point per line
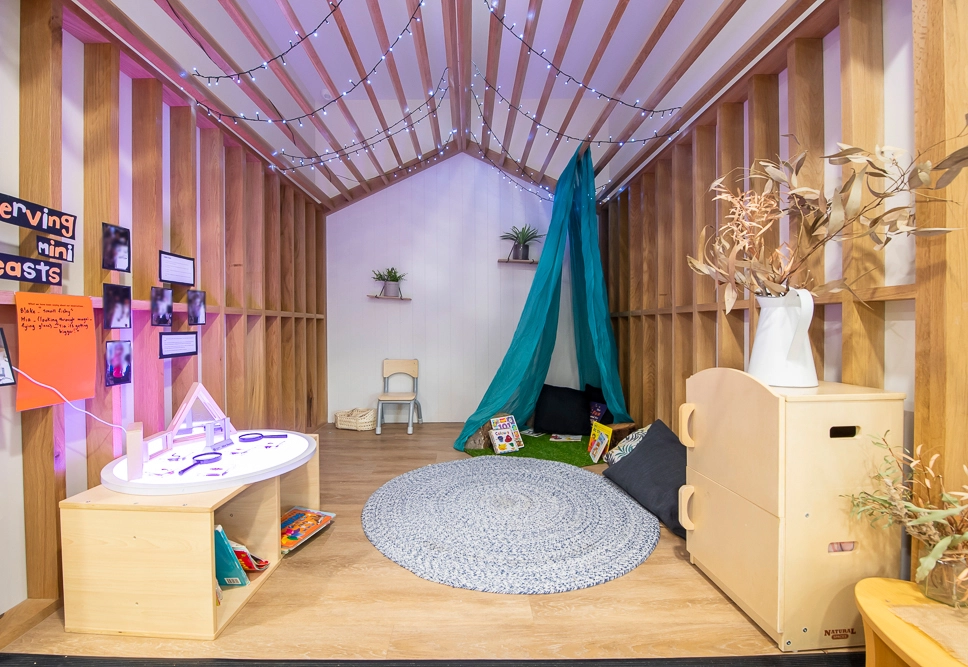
522 373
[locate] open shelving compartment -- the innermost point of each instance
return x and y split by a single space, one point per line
145 565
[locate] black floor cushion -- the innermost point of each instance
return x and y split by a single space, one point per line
563 411
653 473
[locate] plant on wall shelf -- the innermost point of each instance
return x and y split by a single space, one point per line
933 516
522 238
391 282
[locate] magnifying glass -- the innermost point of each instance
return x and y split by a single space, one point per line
204 457
253 437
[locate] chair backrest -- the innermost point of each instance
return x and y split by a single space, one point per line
394 366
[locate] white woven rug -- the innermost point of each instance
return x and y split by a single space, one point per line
509 525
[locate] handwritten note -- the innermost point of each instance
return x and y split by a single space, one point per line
57 347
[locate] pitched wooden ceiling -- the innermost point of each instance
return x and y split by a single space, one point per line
419 77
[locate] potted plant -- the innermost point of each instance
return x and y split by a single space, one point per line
736 256
391 282
937 519
522 239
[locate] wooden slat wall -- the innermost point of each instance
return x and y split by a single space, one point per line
674 325
261 258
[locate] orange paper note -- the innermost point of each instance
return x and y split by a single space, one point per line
57 347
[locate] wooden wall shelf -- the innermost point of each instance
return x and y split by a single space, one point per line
389 298
517 261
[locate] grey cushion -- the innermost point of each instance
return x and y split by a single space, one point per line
652 474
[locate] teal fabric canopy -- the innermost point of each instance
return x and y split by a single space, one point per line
521 375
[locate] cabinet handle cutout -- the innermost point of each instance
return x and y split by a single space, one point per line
844 431
840 547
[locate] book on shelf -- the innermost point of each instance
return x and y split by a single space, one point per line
228 569
301 523
248 561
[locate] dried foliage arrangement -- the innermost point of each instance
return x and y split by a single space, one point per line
736 255
918 501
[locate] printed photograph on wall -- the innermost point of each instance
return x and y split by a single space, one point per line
115 248
116 305
6 370
196 307
161 307
117 362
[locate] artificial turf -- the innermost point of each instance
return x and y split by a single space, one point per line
543 447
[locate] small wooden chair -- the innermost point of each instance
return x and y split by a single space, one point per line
392 367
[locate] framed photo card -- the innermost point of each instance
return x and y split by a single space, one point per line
115 248
176 269
117 362
6 368
196 307
161 307
116 306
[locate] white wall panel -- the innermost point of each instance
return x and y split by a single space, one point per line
441 227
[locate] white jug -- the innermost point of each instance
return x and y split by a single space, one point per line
781 354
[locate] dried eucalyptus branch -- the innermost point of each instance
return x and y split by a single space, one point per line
737 255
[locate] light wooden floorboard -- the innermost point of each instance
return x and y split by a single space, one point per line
339 598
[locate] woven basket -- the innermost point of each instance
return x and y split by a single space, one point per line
357 419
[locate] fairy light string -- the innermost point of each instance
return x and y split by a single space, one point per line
533 51
321 110
563 135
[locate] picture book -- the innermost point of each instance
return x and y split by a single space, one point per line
597 411
248 561
505 436
301 523
565 438
598 441
228 570
531 433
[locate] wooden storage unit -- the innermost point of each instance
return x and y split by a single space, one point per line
145 565
767 475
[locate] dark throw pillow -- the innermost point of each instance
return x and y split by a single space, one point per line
596 395
563 411
652 474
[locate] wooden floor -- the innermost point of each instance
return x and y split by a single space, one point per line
339 598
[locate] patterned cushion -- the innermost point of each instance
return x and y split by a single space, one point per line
625 447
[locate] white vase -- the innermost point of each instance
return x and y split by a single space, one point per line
781 354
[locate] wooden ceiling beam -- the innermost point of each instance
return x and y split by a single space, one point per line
379 26
477 151
187 22
530 26
327 80
448 11
658 30
589 72
361 72
495 32
423 63
812 21
465 35
567 30
265 52
118 27
410 168
713 27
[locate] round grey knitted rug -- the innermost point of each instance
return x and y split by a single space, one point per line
509 525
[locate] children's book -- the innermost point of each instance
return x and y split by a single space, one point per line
531 433
505 436
228 570
249 561
598 441
565 438
597 411
301 523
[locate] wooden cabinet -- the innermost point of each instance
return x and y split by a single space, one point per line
145 565
765 505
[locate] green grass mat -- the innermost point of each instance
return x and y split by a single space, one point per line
575 453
